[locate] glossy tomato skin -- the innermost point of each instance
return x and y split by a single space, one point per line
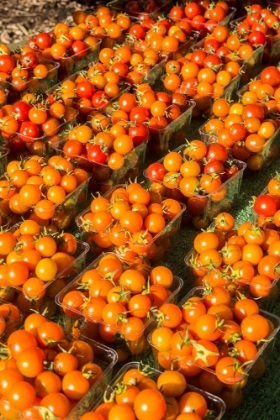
28 60
256 38
7 63
21 109
265 205
95 154
139 133
156 172
217 152
29 130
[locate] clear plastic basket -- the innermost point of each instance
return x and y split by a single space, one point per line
253 371
271 52
136 348
103 177
181 51
162 243
266 156
162 140
42 145
204 27
36 86
211 204
66 211
249 68
215 404
104 357
69 272
82 116
72 64
266 302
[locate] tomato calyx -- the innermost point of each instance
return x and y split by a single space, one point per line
4 352
239 367
221 220
46 413
202 353
110 277
123 295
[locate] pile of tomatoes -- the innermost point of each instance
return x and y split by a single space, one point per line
129 63
133 221
31 259
195 174
144 393
63 43
91 144
201 76
22 71
33 121
37 188
114 300
203 18
243 260
263 25
264 89
245 130
161 35
42 373
232 46
88 90
212 340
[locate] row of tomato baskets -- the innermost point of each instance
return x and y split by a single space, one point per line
93 132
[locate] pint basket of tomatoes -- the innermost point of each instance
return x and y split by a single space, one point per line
234 47
71 47
244 260
203 77
11 319
130 219
44 190
30 125
111 153
169 40
246 130
4 152
25 72
113 301
139 391
132 65
219 344
263 89
167 116
37 263
103 23
262 25
55 375
203 177
202 17
89 91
